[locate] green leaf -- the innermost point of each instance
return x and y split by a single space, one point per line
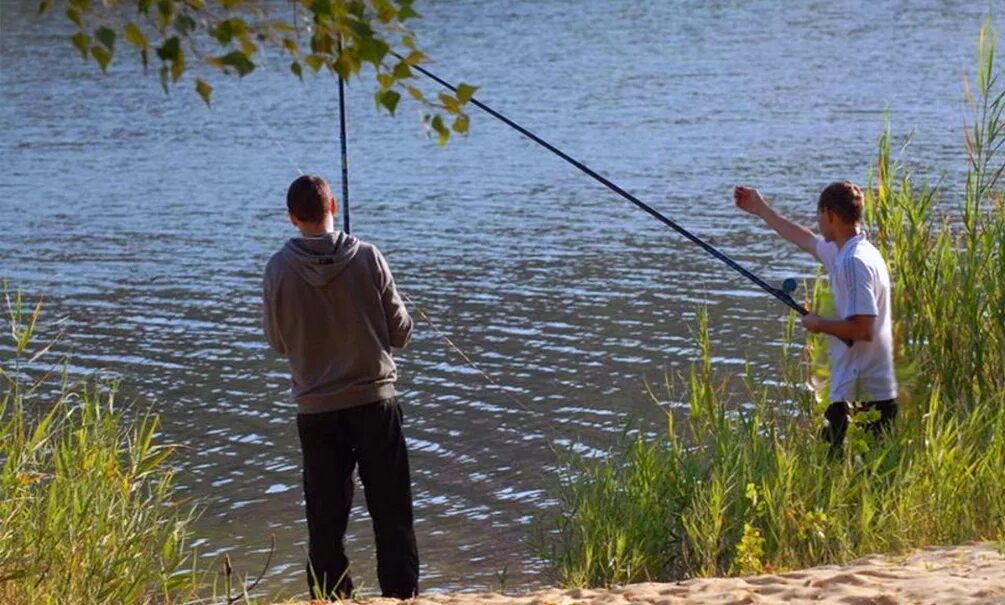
228 29
204 89
44 6
407 12
409 42
284 28
415 57
134 35
297 70
222 33
465 92
184 25
74 15
170 49
461 124
402 70
389 99
344 65
315 62
291 45
165 13
385 80
165 78
81 41
322 43
178 66
449 103
144 6
357 7
322 8
102 56
373 50
248 47
416 93
385 10
438 126
106 36
238 61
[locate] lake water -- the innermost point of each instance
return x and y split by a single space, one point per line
146 220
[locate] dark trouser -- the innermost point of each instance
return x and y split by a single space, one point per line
333 444
837 417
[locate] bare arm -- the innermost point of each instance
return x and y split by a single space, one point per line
856 327
750 200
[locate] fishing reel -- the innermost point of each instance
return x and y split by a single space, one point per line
789 286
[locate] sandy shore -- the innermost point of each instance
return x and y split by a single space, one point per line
959 575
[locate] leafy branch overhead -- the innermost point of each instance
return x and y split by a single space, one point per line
232 37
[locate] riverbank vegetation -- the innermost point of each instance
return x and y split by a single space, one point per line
88 509
741 485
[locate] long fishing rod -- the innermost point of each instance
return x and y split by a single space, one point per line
342 143
782 294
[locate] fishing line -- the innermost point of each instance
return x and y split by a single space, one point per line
549 425
275 141
488 378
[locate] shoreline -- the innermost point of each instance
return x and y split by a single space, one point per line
971 574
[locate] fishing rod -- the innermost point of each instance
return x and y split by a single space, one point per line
342 143
783 294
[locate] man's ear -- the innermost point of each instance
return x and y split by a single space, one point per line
333 206
829 217
293 219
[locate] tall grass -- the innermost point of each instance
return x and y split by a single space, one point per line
730 490
87 506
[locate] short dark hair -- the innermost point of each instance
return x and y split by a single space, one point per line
307 198
844 199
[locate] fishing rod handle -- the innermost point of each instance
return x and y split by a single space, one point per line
798 308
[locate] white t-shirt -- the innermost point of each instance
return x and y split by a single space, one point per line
861 286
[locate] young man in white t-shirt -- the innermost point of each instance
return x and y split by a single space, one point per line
862 375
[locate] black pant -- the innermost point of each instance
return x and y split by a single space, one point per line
837 417
333 444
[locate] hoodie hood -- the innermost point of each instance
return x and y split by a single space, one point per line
318 260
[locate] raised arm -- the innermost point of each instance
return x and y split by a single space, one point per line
750 200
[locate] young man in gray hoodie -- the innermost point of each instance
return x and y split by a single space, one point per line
332 309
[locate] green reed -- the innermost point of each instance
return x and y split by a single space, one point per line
733 489
88 512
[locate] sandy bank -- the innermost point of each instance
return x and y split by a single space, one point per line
959 575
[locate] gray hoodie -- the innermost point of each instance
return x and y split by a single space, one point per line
330 306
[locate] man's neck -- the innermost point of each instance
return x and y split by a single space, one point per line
842 238
318 229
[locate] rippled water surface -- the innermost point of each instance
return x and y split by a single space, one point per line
147 219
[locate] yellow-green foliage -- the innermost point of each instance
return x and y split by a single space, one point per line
87 511
754 490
